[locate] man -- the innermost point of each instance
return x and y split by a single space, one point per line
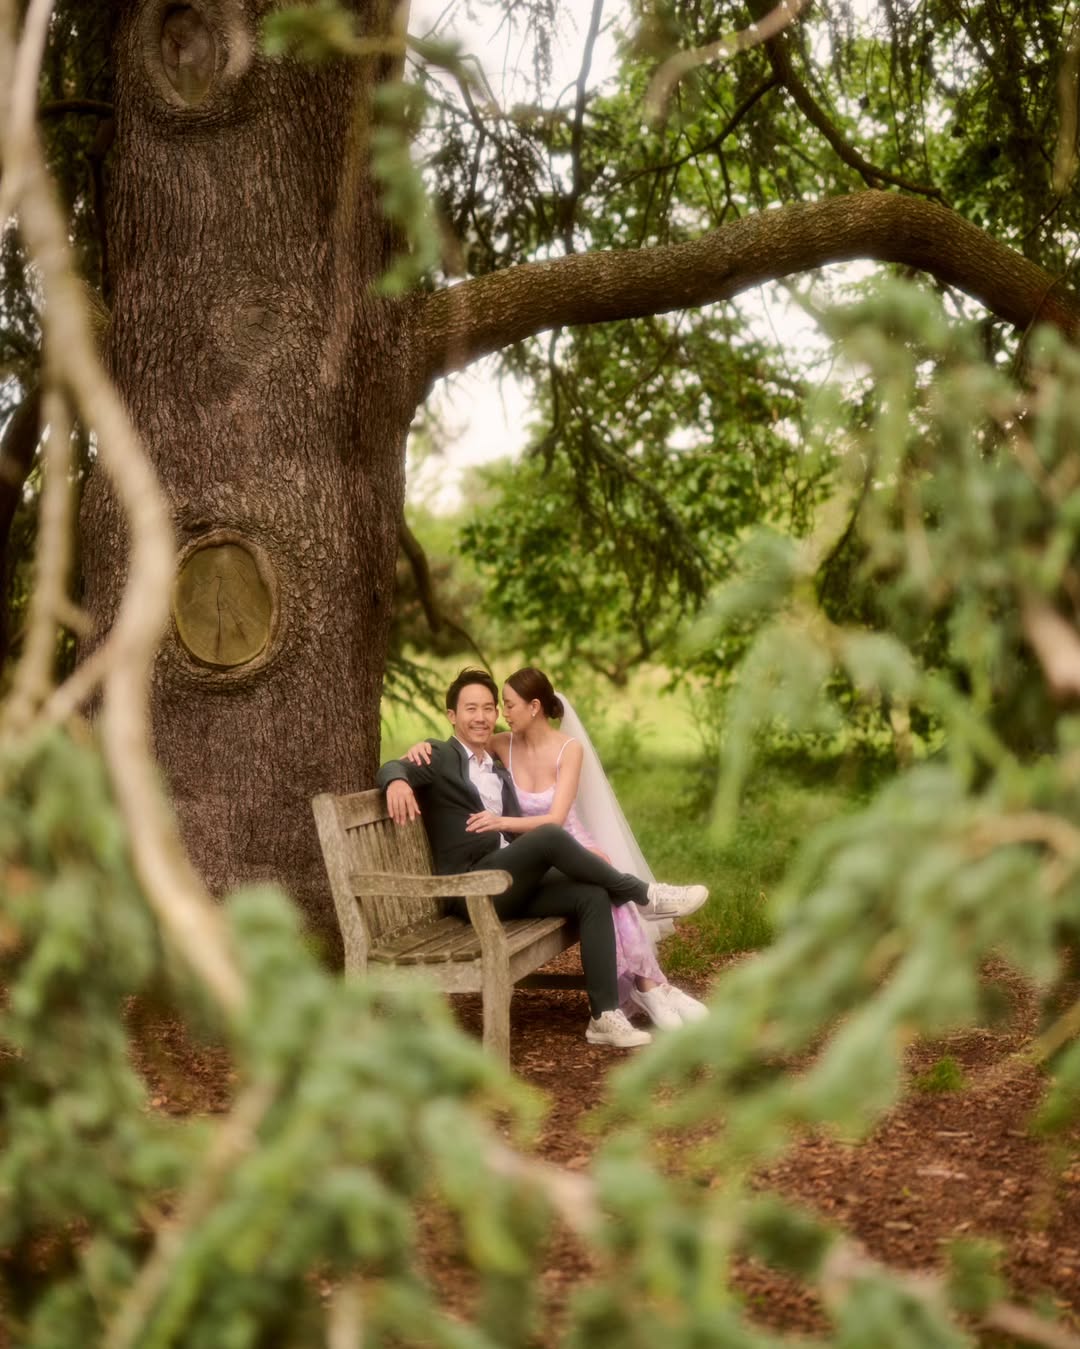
553 875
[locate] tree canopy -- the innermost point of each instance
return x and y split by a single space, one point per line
949 106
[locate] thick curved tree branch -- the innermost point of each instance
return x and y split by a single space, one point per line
81 107
462 323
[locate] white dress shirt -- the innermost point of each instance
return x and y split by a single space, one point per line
487 782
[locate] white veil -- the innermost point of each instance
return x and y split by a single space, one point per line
599 811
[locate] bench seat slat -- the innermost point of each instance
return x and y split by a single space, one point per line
458 942
394 947
454 939
429 945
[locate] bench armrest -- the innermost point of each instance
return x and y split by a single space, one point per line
470 883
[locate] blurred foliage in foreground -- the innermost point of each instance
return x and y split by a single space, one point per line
365 1141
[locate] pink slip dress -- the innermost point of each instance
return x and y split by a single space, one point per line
634 953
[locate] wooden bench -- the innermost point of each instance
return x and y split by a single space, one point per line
393 913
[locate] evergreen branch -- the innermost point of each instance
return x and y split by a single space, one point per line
1055 643
1055 1037
345 1316
574 1198
1028 826
814 113
676 67
236 1136
1069 121
847 1265
48 598
571 1194
1026 1325
79 687
714 142
578 131
462 323
425 589
17 448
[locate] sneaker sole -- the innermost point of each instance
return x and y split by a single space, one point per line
615 1044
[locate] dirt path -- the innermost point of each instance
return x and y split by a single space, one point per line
943 1165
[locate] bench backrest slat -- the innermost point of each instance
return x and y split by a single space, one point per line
358 836
385 846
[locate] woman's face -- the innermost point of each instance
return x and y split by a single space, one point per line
517 713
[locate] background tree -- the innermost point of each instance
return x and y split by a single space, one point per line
659 446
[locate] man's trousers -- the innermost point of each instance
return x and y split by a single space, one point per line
554 876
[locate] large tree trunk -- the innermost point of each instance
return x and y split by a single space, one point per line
269 385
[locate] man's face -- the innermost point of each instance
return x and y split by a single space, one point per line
474 717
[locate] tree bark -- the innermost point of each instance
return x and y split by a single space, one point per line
471 320
271 388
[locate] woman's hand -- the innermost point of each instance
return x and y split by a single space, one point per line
420 753
602 855
484 822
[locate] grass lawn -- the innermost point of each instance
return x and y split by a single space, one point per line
668 800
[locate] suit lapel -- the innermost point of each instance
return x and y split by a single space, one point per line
511 805
461 757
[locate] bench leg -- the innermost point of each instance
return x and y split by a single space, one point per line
497 991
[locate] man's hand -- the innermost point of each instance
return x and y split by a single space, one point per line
420 753
483 822
401 802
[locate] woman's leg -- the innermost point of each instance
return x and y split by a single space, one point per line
634 954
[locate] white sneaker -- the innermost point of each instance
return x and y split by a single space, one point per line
612 1028
654 1003
675 901
682 1004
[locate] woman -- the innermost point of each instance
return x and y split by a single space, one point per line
559 780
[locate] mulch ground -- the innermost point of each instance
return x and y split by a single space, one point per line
943 1165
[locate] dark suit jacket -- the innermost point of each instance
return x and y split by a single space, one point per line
447 798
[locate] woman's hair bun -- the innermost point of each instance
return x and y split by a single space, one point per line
530 683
